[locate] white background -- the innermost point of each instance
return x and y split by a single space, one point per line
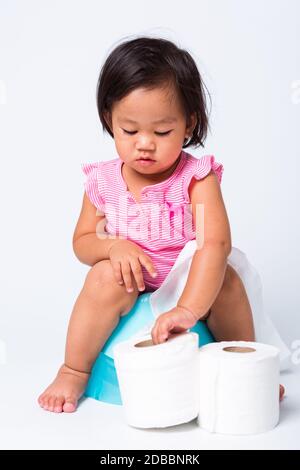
50 57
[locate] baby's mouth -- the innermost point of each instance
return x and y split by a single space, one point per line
146 159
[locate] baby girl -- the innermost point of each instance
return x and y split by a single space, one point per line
140 209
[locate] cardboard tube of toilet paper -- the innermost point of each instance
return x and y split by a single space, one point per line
158 383
238 387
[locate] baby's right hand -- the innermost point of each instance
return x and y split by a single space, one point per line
127 257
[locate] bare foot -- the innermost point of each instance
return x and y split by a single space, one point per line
64 392
281 392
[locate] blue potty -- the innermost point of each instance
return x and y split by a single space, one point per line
103 383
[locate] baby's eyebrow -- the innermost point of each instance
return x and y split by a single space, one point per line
159 121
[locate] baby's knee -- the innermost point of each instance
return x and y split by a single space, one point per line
100 275
100 283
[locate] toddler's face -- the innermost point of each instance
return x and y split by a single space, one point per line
137 132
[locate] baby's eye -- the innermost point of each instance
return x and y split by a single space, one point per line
164 133
158 133
129 132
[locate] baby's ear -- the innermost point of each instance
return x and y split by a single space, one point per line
107 117
191 123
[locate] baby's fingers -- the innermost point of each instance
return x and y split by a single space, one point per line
138 275
147 263
160 335
126 273
160 331
116 265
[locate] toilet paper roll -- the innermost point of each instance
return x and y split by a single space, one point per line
239 387
159 383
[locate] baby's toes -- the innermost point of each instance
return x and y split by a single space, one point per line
281 392
43 397
70 404
43 400
51 402
58 404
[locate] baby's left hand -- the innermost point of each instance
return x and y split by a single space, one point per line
176 320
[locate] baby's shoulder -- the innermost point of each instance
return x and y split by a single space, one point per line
196 169
202 166
100 169
110 163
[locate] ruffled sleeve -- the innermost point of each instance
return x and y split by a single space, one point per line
202 168
93 185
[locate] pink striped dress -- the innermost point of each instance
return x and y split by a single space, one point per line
161 224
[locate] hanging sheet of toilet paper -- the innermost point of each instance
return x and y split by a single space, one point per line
159 383
238 391
167 296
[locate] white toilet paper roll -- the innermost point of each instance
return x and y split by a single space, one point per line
159 383
239 387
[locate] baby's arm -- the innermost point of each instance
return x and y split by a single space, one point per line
209 262
208 265
87 245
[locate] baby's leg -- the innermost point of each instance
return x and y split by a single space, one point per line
230 317
95 315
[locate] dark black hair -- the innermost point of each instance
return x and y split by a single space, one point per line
151 62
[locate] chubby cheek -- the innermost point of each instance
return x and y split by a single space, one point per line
172 145
124 148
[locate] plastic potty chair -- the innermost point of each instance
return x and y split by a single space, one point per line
103 383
